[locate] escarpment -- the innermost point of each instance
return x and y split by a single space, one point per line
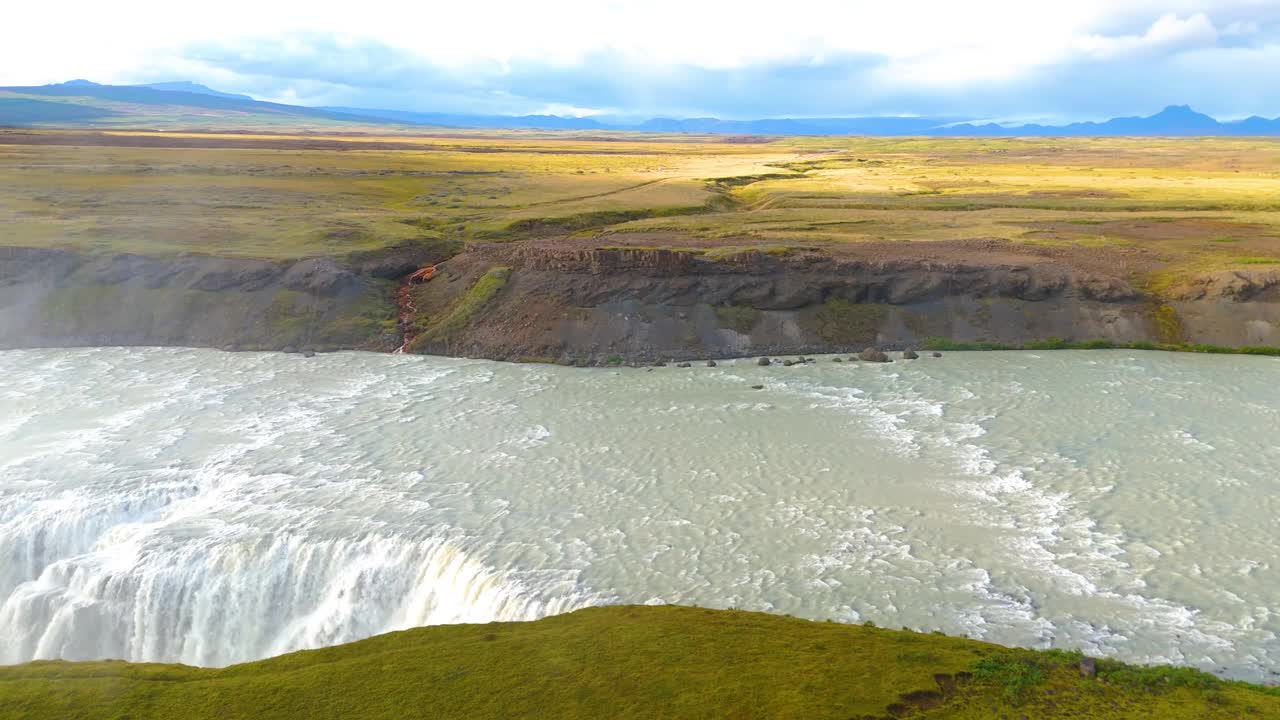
586 302
643 304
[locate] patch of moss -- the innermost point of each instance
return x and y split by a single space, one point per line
738 318
735 252
368 323
844 322
1168 325
290 316
464 309
941 344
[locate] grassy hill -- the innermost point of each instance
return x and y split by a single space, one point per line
167 107
636 662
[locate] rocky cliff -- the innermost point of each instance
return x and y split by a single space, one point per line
578 302
593 305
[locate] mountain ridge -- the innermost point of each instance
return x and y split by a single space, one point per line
27 106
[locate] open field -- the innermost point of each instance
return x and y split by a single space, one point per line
636 662
1165 206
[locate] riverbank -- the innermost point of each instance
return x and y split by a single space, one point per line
638 662
576 301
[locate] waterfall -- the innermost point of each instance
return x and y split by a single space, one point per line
145 579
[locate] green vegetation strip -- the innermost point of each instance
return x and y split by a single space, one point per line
464 309
635 662
1056 344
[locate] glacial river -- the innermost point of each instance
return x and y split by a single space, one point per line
211 508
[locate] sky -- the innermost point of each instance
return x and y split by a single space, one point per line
1012 60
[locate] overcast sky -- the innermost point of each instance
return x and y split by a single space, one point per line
985 59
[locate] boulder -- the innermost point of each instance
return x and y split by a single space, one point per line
873 355
757 387
711 363
788 363
839 360
1088 667
910 355
308 353
290 349
763 362
684 365
937 354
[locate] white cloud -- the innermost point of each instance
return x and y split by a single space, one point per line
1167 33
478 50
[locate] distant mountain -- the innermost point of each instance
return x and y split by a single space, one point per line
81 102
186 86
491 122
183 103
782 126
1175 120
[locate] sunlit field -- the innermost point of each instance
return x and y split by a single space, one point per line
1192 204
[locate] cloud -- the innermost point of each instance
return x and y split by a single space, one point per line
1168 33
988 58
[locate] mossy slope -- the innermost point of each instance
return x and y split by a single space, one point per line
633 662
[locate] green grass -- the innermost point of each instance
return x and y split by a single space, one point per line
334 195
944 344
463 310
663 662
738 318
845 322
1014 675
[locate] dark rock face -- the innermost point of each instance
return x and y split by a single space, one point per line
873 355
636 304
52 298
1088 667
320 277
35 265
643 305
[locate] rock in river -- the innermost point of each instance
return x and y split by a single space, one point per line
873 355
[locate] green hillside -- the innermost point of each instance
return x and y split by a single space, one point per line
635 662
85 103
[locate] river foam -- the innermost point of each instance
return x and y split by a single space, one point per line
211 508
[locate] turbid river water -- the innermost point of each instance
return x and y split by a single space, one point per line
210 508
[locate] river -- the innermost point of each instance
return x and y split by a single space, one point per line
211 508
